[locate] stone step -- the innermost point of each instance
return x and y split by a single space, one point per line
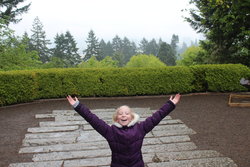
90 162
165 140
60 118
56 113
170 121
182 155
161 133
174 139
171 127
166 156
62 112
52 135
101 144
52 129
87 136
50 141
65 147
72 155
66 123
169 147
38 164
204 162
187 155
45 116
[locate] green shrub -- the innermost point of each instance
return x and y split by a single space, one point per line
24 86
143 60
144 81
17 87
226 78
219 78
199 82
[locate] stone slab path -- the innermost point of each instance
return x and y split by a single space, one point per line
70 141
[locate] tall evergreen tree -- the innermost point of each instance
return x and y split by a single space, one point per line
181 49
128 49
11 9
102 45
153 47
117 44
105 49
174 42
93 47
166 54
27 41
72 51
59 50
39 41
149 47
143 46
118 55
66 49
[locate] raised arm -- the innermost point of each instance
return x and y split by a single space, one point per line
98 124
156 117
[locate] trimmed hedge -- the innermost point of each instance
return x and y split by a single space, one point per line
219 78
17 87
25 86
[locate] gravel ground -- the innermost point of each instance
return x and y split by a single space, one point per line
218 126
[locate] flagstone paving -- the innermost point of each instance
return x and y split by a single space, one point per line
70 141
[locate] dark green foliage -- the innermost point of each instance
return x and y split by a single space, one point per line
219 78
166 54
128 49
105 49
225 78
66 50
149 48
93 47
11 9
17 87
39 42
225 24
174 42
17 56
24 86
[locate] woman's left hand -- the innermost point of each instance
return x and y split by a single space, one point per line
71 100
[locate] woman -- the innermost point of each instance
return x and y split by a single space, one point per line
125 136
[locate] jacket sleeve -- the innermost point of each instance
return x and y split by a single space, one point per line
98 124
149 123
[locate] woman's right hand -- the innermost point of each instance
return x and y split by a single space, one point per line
71 100
175 99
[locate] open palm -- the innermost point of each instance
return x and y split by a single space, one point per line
175 99
71 100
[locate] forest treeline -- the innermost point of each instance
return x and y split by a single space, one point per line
222 22
34 50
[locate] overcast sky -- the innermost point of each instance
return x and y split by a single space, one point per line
134 19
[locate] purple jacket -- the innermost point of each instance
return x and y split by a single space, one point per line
125 142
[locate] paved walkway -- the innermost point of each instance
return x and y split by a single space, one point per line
69 141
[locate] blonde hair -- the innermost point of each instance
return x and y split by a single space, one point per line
118 109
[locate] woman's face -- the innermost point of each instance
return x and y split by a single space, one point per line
124 116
